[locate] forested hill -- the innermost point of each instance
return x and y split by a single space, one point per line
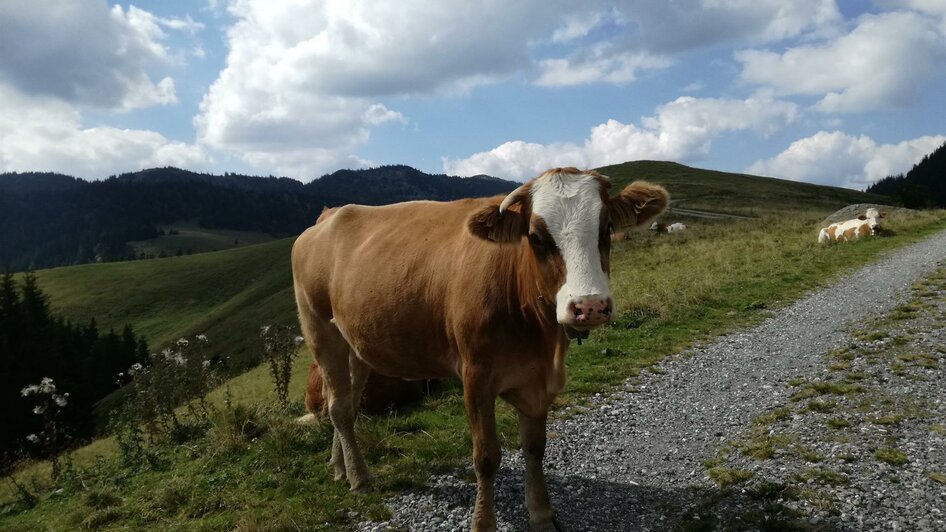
922 186
51 220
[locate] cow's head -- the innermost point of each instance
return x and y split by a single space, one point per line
873 217
567 216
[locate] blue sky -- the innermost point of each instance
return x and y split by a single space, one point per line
839 93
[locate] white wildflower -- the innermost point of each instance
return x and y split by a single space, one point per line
182 342
264 329
202 338
32 438
39 409
60 400
135 369
205 364
47 386
298 340
179 359
29 390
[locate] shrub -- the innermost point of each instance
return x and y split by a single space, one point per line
280 343
169 396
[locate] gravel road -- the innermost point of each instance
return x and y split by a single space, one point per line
642 457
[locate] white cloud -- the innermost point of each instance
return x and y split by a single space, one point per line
681 130
840 159
646 35
879 64
44 134
87 53
599 65
300 88
687 24
576 26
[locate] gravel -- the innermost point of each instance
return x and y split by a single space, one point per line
637 458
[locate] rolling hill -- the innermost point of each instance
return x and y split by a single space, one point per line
229 294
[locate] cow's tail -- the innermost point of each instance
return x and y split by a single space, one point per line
315 403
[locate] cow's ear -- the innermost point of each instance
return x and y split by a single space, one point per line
507 227
862 217
883 215
637 204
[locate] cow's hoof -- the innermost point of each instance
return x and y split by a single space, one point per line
361 489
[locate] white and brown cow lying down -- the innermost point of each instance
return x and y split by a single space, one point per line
489 290
667 229
864 225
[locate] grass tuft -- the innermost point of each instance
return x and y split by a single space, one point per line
891 456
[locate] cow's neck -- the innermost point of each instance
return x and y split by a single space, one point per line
535 299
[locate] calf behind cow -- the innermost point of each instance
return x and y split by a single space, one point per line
489 290
867 224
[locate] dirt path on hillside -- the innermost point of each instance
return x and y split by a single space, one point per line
635 459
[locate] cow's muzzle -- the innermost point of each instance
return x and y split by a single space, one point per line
587 312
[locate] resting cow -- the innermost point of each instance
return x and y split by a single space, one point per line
381 393
864 225
666 229
489 290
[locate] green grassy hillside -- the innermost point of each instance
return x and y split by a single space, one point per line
744 194
226 295
189 238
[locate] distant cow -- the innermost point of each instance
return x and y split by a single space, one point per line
489 290
864 225
658 228
665 229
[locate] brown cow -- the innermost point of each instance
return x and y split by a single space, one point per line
489 290
867 224
380 393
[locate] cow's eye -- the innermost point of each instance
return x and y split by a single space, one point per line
536 241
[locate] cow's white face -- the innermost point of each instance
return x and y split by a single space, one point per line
567 216
571 206
873 220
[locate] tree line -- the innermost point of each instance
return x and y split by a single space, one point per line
82 361
923 187
49 220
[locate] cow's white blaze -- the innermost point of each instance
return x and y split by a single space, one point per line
570 205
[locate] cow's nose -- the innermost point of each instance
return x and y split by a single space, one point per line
589 311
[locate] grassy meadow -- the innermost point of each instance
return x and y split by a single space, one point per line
226 295
192 238
671 292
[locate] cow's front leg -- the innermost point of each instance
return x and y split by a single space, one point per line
532 440
481 411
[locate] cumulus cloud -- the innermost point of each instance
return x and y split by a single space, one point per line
879 64
89 54
836 158
681 130
646 35
598 64
44 134
302 82
686 24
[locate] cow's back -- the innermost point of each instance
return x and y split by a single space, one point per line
387 277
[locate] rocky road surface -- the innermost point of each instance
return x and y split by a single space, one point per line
829 415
